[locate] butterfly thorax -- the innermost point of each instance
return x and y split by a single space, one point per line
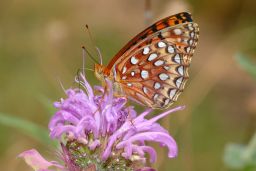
101 72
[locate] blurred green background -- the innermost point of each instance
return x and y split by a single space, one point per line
40 44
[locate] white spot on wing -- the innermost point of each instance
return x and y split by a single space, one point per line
152 57
157 85
177 58
146 50
188 49
177 31
144 74
166 102
163 76
178 82
172 93
155 96
124 77
129 84
191 27
181 70
190 41
159 62
134 60
185 41
124 70
170 49
145 90
161 44
132 73
192 34
167 68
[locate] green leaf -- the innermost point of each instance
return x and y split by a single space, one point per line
34 131
246 64
233 156
250 152
238 156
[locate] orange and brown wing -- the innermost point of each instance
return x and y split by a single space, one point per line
153 67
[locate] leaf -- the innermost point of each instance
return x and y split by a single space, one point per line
246 64
238 156
34 131
250 152
233 156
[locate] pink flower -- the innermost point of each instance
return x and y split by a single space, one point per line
99 130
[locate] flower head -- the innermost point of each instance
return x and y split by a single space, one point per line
100 131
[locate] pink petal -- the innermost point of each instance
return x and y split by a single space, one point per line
37 162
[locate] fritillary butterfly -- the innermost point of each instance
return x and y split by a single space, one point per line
152 68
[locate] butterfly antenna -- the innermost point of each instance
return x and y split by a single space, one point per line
90 34
90 55
93 43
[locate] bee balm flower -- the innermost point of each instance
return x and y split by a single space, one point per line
99 132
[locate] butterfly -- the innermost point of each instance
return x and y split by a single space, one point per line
152 68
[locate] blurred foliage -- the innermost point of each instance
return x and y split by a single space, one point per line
246 64
238 156
242 157
30 129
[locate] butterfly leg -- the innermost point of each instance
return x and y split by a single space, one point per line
102 98
78 78
129 116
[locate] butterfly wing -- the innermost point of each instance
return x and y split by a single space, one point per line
153 67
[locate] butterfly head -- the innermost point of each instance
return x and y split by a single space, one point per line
101 72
